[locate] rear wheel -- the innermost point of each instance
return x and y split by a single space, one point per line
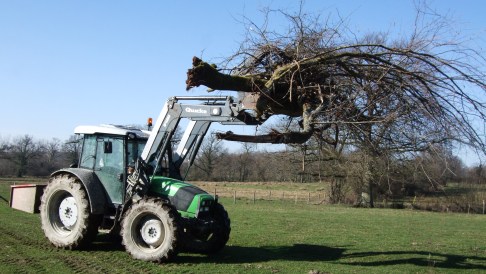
65 213
212 239
150 230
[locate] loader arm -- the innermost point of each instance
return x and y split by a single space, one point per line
208 109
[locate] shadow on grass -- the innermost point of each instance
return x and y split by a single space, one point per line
418 258
1 198
240 254
107 243
316 253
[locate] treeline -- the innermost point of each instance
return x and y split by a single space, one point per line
27 156
346 174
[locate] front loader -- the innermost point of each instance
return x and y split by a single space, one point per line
128 181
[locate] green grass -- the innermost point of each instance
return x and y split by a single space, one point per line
275 237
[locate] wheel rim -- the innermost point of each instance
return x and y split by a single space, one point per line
153 232
63 212
68 211
148 232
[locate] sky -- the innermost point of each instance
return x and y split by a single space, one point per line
69 63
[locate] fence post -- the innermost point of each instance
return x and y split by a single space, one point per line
296 198
234 197
308 199
270 195
483 207
215 192
254 194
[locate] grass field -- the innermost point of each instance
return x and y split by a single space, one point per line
274 237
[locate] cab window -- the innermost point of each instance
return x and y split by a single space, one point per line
134 150
87 159
109 154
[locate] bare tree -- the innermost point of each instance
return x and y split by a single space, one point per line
72 148
4 147
391 97
52 154
477 174
22 151
243 162
404 94
209 156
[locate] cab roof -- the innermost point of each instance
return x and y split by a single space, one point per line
112 130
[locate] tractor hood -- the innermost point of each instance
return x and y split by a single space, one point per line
186 198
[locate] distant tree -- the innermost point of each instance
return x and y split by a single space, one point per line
71 148
244 163
477 174
52 154
4 147
22 152
5 164
209 157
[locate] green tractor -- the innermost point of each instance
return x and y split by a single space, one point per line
128 182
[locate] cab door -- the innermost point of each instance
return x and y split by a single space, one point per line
110 166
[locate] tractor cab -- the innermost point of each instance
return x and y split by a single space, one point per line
111 152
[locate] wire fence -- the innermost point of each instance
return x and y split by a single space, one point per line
321 197
272 195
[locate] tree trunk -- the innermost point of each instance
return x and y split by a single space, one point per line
272 138
274 97
370 187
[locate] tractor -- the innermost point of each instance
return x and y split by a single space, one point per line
128 182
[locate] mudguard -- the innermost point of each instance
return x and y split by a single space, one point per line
93 186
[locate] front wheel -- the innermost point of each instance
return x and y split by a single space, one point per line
65 213
150 230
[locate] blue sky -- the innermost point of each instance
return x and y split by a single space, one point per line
69 63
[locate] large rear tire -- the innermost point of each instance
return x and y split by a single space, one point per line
65 213
150 230
214 239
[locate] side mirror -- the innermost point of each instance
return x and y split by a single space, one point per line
107 147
